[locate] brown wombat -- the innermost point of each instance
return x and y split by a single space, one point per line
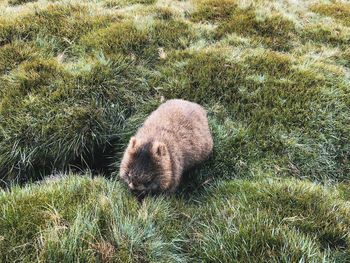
174 138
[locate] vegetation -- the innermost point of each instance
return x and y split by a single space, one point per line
78 78
19 2
277 220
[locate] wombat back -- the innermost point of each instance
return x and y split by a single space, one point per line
181 139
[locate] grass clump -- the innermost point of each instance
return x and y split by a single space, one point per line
20 2
120 37
339 11
13 54
275 31
270 221
143 42
83 219
345 56
214 10
95 219
65 24
55 118
172 34
203 73
123 3
319 33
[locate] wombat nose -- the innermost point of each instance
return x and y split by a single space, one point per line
131 186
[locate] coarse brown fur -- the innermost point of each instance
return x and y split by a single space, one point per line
173 139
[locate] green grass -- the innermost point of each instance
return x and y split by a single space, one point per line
337 10
19 2
270 220
77 79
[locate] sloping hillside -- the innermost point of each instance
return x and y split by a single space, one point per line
78 77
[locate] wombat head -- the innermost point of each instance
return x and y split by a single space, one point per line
146 166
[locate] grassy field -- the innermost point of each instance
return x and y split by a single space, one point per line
78 77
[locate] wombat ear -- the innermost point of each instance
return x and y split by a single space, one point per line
133 143
159 149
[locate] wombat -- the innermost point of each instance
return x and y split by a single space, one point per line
174 138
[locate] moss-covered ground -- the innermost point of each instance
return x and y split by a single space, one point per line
78 77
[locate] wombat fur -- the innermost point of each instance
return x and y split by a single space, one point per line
174 138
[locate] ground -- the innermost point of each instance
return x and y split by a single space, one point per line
78 77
